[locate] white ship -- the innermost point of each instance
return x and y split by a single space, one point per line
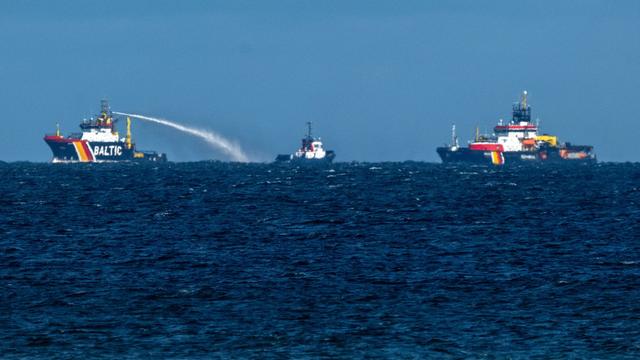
311 151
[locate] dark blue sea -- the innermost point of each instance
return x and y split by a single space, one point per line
388 260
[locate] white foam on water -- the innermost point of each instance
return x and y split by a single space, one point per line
217 141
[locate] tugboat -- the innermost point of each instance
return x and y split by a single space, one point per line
516 142
312 151
99 141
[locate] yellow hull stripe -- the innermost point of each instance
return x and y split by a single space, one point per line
80 150
496 158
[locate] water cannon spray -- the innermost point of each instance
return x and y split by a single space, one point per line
215 140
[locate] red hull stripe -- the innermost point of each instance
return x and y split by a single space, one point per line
59 139
486 147
516 127
87 151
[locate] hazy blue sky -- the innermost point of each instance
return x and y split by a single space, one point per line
382 80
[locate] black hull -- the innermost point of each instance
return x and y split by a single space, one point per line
76 150
573 155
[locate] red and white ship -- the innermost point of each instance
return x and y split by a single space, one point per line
99 141
517 141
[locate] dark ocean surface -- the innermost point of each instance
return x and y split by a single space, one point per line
389 260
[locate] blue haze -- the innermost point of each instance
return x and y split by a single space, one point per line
382 80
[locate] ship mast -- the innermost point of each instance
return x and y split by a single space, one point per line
309 129
128 138
104 107
521 110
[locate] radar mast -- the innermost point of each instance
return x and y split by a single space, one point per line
309 129
521 110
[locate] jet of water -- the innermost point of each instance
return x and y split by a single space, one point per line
217 141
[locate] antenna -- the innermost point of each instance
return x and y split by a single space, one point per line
524 99
309 129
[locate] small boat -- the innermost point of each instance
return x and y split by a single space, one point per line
312 151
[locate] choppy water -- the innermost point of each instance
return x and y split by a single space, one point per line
392 260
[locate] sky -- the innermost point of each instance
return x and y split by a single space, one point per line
380 80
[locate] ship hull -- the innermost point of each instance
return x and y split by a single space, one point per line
570 155
286 158
66 150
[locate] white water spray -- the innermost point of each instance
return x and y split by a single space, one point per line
217 141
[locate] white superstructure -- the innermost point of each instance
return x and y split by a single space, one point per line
311 149
103 134
520 134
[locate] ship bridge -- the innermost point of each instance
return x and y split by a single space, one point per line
520 121
104 121
102 128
